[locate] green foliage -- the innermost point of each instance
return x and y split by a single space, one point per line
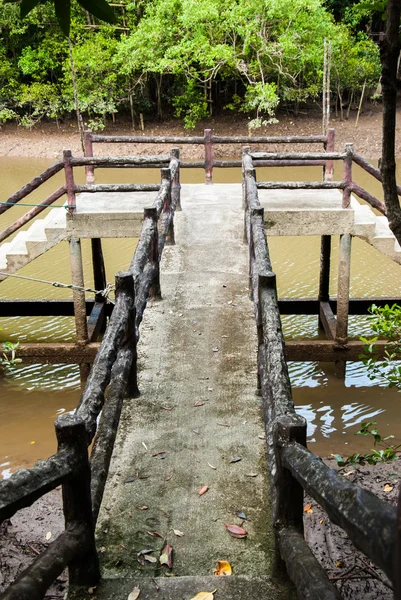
182 55
191 105
386 323
8 358
387 453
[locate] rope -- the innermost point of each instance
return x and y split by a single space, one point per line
42 205
105 293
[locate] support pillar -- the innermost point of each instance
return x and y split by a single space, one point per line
343 285
99 270
208 156
325 263
77 275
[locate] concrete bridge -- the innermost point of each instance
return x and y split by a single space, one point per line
209 461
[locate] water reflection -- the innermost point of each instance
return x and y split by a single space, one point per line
335 408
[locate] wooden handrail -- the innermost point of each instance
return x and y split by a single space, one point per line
31 186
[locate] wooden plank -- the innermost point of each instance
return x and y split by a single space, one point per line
44 308
57 353
328 320
310 306
327 351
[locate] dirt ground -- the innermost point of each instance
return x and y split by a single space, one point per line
47 141
27 534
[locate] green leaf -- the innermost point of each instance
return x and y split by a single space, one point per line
100 9
63 14
26 6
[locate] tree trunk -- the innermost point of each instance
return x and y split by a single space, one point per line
390 51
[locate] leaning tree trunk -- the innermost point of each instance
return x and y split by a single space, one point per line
390 51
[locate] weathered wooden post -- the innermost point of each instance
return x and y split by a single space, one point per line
176 183
328 169
347 178
343 284
288 494
154 258
251 198
246 163
99 270
77 276
167 210
69 181
208 156
324 279
89 170
77 505
125 285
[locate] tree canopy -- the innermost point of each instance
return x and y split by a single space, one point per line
176 56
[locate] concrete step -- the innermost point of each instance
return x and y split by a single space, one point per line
239 587
383 239
36 232
55 222
42 235
364 220
3 255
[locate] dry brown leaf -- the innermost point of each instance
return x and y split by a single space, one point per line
134 594
223 568
387 488
203 490
204 596
236 530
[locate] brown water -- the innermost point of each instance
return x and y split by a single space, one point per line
32 396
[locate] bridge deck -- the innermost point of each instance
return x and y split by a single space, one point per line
198 406
287 212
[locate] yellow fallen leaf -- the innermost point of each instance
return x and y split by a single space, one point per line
204 595
339 563
321 521
308 508
48 535
223 568
387 488
134 594
33 443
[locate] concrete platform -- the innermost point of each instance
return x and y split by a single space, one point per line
109 214
305 212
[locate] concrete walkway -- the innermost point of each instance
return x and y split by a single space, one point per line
199 408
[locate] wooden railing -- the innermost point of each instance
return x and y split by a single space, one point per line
208 140
71 189
114 369
370 523
347 185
